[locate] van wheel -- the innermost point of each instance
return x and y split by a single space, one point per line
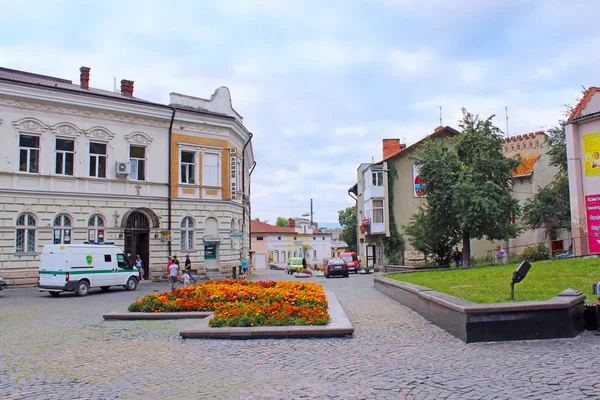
131 283
83 288
54 294
105 288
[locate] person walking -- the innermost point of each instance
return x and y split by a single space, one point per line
139 264
244 269
174 274
457 256
188 268
303 262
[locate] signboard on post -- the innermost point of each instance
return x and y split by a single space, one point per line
592 208
236 235
167 235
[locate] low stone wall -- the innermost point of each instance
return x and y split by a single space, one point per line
559 317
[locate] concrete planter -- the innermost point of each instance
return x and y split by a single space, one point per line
559 317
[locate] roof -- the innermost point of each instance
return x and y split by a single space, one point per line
587 96
526 167
439 131
261 227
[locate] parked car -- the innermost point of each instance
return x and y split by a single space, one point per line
352 261
294 264
563 255
2 283
336 267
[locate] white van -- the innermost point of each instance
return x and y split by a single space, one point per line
78 267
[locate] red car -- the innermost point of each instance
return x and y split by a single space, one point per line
336 267
352 260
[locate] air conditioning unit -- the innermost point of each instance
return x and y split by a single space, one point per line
123 167
233 151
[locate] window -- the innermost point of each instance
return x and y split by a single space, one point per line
123 262
188 167
314 254
276 256
29 153
107 258
62 229
64 155
378 178
137 158
96 229
25 233
187 234
259 238
279 238
97 160
210 169
377 211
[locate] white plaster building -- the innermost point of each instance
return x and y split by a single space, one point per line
83 164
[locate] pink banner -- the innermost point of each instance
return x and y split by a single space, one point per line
592 206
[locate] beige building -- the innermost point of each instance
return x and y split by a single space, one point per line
89 165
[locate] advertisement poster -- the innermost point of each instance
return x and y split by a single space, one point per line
592 207
591 154
418 190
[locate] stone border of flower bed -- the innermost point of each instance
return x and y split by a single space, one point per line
339 325
560 317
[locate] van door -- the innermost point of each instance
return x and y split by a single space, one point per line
124 269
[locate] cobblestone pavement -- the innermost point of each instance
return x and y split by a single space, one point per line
61 348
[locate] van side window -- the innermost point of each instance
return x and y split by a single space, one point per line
122 261
107 258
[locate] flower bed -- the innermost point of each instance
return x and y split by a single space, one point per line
245 303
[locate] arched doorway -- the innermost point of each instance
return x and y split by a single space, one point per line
137 238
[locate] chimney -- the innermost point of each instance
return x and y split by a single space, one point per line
439 128
85 77
126 87
391 147
292 222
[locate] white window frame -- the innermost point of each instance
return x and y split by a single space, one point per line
191 177
64 153
135 163
26 233
378 208
62 229
96 159
206 169
95 224
30 155
187 234
377 178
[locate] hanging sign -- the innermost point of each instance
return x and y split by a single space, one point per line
212 238
236 235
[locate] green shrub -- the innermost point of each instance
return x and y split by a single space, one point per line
536 253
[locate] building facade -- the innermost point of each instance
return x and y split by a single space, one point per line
89 165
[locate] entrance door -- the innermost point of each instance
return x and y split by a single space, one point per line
137 239
370 256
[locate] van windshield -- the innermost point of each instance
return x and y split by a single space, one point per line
123 262
350 258
295 262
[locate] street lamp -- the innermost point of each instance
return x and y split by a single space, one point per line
309 214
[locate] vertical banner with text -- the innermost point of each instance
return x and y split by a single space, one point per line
592 207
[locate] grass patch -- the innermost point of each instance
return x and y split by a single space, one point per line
488 285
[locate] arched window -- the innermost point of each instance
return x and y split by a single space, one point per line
276 256
26 233
289 255
187 234
62 229
96 229
282 256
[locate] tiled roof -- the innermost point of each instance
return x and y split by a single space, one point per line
261 227
437 132
587 96
52 82
526 168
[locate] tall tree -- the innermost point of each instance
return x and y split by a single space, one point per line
347 219
468 187
431 238
282 222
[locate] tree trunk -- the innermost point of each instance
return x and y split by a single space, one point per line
466 250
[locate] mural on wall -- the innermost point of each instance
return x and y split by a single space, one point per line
591 153
418 190
592 206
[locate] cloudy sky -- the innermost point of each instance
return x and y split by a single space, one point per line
321 83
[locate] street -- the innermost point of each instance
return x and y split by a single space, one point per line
57 348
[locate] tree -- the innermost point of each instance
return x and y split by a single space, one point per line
428 236
282 222
468 187
347 219
550 207
258 220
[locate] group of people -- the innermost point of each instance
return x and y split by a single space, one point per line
175 271
500 255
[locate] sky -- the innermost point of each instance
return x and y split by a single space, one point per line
320 84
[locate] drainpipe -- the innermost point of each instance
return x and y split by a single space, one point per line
250 208
169 198
244 188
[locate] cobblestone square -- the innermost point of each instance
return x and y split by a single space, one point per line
61 348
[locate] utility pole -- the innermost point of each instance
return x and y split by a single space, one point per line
311 213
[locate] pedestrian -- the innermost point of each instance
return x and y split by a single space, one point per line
173 274
457 256
244 269
139 264
188 268
303 262
500 253
186 278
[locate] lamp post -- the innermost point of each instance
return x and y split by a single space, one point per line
310 213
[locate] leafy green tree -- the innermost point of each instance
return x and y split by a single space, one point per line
550 207
282 222
468 187
347 219
431 238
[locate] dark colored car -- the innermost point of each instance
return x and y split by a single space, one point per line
2 283
352 260
336 267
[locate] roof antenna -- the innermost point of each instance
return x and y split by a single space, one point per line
506 113
115 84
372 160
440 107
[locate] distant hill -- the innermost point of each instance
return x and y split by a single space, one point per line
329 225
